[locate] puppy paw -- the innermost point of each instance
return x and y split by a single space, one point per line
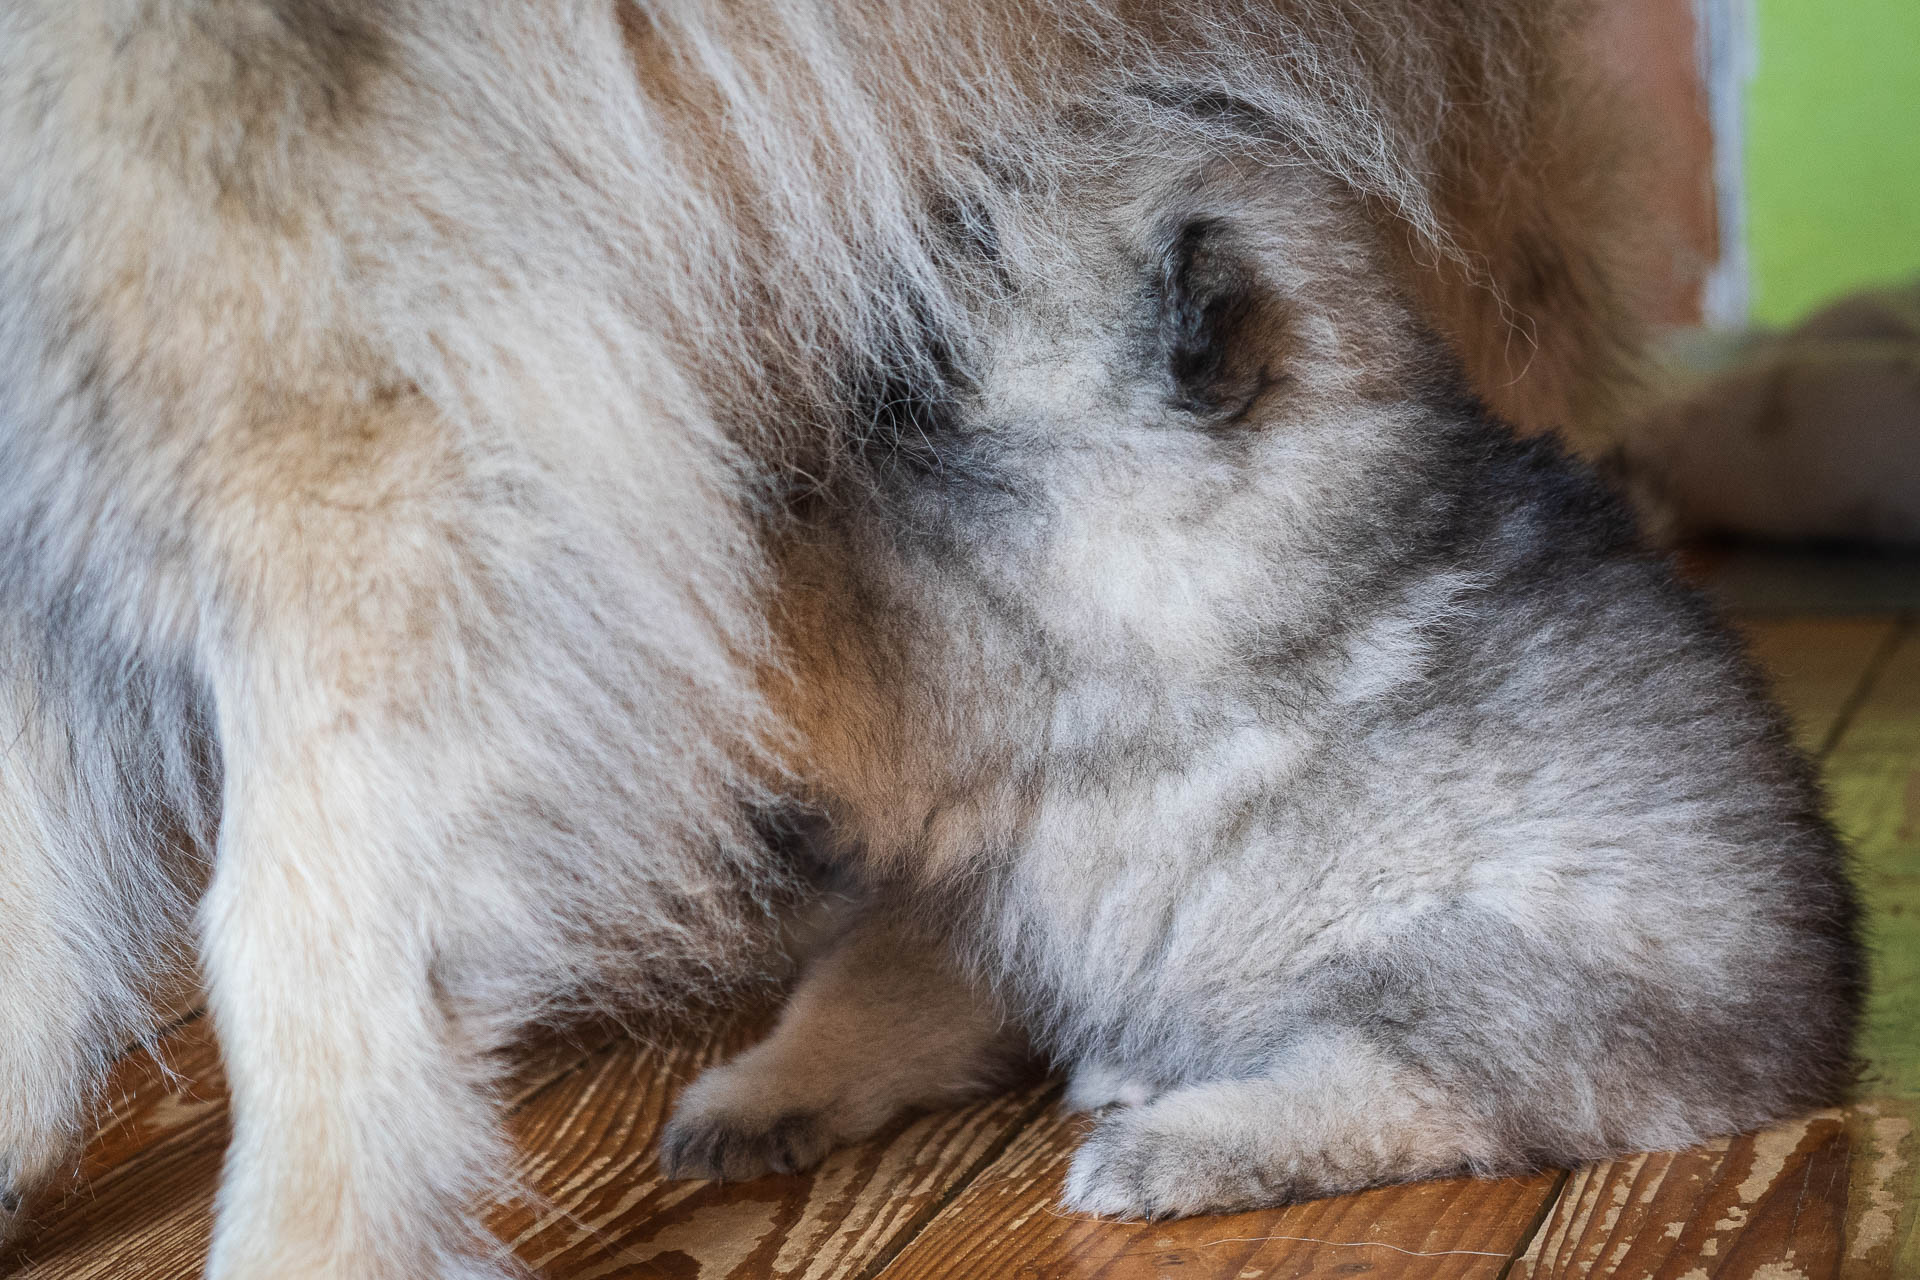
1134 1165
735 1123
730 1148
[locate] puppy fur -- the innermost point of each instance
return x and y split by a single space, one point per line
396 397
1301 759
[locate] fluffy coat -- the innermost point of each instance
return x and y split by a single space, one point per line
1292 752
396 398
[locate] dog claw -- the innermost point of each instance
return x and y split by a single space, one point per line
731 1149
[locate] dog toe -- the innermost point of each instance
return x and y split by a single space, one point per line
729 1148
1136 1166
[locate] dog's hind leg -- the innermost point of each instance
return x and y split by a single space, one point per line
1339 1116
365 1131
436 818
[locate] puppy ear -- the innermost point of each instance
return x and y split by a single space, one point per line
1222 335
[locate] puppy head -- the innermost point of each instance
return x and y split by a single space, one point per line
1180 404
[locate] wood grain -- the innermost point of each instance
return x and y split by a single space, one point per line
1007 1223
604 1211
1776 1199
586 1110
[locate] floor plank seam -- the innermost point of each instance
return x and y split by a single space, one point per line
925 1218
1903 626
1548 1204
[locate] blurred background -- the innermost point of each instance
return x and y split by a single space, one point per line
1780 141
1787 137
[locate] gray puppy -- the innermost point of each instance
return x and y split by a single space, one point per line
1289 750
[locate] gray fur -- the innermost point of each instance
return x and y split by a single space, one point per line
1290 745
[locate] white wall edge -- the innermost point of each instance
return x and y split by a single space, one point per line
1728 55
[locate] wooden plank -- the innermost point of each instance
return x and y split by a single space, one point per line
1836 1194
1774 1199
1874 777
1007 1223
603 1210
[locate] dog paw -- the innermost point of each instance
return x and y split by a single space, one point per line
727 1145
1136 1166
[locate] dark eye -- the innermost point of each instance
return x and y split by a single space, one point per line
1221 334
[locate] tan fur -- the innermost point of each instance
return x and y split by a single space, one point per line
880 1025
1546 309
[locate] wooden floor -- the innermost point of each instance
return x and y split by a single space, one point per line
972 1193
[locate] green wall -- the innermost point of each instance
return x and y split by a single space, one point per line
1832 150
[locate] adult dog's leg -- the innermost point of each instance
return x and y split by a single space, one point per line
363 1130
336 930
881 1024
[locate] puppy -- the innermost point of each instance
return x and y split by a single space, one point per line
397 398
1296 756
